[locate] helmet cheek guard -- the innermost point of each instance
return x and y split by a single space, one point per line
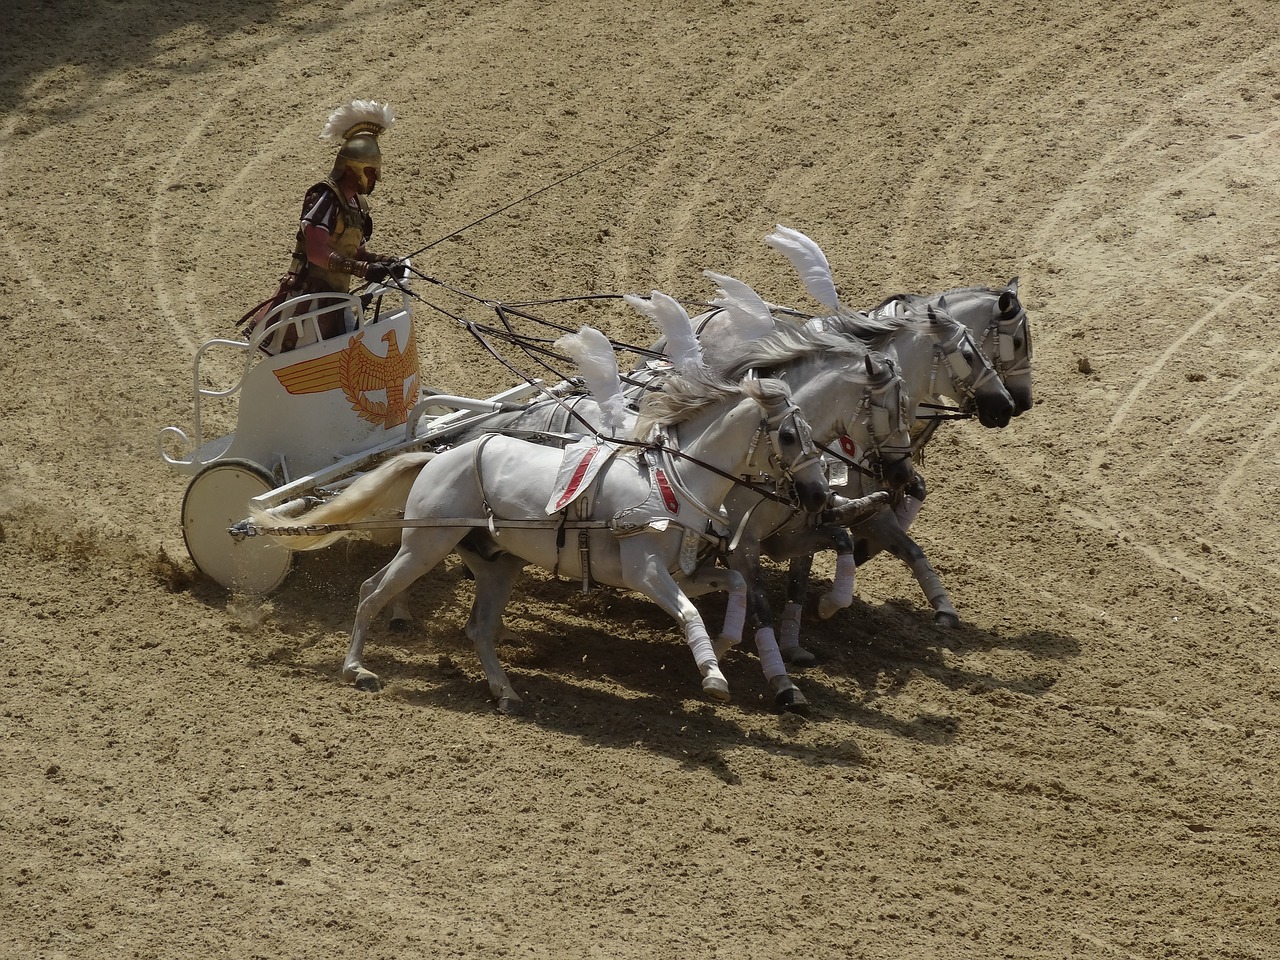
358 156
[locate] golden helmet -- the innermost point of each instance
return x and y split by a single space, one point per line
357 126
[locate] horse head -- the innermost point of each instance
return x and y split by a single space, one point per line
973 377
793 453
888 418
1009 336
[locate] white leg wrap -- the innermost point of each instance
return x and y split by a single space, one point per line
704 654
907 511
770 655
735 615
789 627
842 588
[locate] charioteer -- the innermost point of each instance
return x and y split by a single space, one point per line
335 226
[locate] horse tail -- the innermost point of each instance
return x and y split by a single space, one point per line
379 494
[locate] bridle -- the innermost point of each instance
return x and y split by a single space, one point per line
768 479
883 406
950 348
771 428
1003 331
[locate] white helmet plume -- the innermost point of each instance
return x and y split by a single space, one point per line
810 262
593 353
673 320
750 313
358 116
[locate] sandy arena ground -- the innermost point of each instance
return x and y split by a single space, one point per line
1089 767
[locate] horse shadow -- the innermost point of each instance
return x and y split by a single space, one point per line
637 687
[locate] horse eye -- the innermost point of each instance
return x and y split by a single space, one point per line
787 435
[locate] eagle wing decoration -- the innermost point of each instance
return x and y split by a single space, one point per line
364 372
312 376
357 371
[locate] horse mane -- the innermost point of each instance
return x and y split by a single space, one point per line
685 395
787 345
877 326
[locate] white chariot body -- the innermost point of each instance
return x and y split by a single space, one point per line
308 422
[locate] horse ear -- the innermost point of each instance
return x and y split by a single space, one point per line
1012 286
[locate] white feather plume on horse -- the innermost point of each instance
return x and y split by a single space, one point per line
673 320
752 316
593 353
810 262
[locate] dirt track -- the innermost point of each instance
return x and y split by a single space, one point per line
1089 767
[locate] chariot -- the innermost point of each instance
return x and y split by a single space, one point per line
308 422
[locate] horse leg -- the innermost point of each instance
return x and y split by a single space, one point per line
401 615
907 511
495 579
847 513
912 500
644 571
799 546
883 533
910 553
840 595
786 695
747 599
420 551
789 626
746 563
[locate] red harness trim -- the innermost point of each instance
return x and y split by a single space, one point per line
668 495
575 481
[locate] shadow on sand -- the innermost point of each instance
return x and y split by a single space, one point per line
637 687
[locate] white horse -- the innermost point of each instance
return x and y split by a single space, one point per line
999 324
866 409
935 356
994 350
644 517
791 353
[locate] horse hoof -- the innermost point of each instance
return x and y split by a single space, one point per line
401 626
510 706
717 688
791 700
799 657
368 682
948 621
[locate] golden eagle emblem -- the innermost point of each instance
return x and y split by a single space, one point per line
358 372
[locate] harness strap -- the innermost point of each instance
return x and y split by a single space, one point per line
247 528
742 526
475 460
555 569
584 550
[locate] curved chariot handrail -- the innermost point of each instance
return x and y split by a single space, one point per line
301 313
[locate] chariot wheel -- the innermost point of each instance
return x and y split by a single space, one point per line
217 497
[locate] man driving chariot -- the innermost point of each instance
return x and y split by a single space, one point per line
335 225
